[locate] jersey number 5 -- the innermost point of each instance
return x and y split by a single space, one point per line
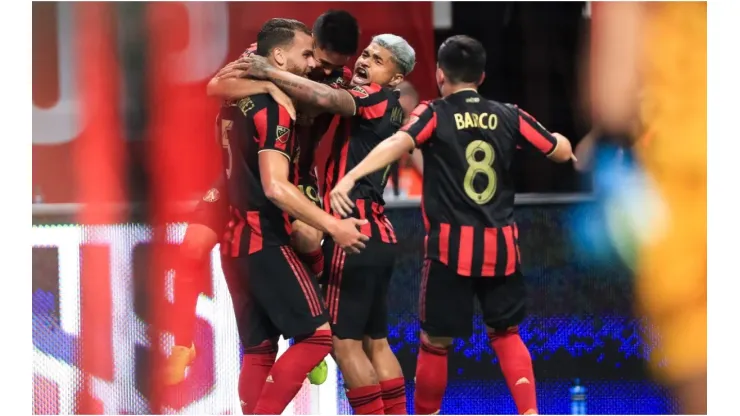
483 166
226 144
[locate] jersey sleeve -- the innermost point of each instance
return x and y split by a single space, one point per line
274 128
533 134
422 123
370 101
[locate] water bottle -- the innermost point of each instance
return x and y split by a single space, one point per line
577 398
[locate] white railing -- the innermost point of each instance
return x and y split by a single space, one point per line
42 209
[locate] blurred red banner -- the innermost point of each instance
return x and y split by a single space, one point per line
211 34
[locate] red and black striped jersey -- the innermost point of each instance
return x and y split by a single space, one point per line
468 144
310 134
378 115
250 126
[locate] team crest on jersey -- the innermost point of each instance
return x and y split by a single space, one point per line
363 93
245 105
282 134
397 116
212 195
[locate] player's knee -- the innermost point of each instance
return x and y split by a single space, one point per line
375 346
198 242
439 342
502 332
266 347
305 238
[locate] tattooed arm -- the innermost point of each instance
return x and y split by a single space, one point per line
329 99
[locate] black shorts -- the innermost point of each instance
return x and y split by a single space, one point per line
446 301
355 287
212 211
273 294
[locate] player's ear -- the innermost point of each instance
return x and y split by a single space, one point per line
397 79
278 54
482 77
440 77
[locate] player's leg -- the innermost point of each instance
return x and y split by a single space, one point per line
281 285
257 334
190 274
306 241
446 312
375 341
503 300
348 295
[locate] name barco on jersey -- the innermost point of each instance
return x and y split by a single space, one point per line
483 121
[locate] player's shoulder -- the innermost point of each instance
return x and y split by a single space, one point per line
258 102
425 106
339 78
508 109
346 75
364 91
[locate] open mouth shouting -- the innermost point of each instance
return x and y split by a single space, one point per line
361 76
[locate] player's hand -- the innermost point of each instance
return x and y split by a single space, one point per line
253 66
339 196
561 137
282 99
230 71
348 236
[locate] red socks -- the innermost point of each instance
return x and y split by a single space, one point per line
366 400
287 375
314 260
431 379
189 277
256 366
516 364
394 396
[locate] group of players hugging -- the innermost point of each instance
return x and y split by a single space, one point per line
270 216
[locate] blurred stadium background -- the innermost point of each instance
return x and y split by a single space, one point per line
123 145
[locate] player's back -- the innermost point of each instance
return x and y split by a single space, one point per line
249 126
467 178
468 196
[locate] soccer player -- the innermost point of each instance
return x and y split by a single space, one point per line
468 145
335 37
259 156
650 69
357 286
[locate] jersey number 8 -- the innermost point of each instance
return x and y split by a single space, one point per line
483 166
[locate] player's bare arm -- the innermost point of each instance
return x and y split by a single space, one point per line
387 152
274 169
617 34
336 101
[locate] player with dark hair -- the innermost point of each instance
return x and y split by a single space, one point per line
272 292
468 144
335 27
357 286
335 35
